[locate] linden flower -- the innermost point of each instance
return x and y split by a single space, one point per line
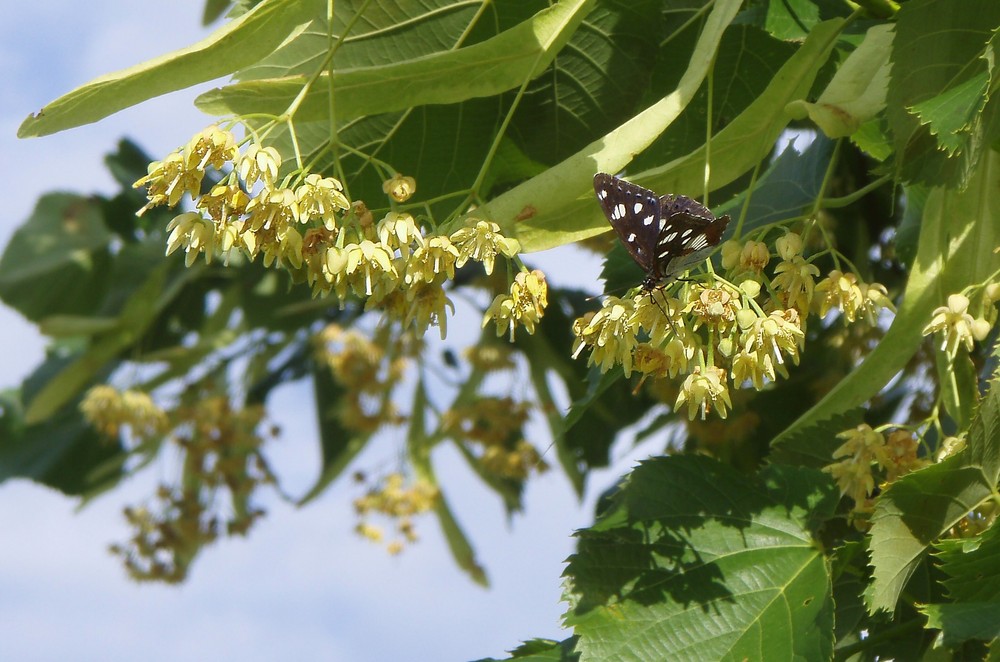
750 366
795 281
400 188
489 358
949 446
195 233
369 531
653 362
285 246
875 298
778 332
862 443
335 269
321 197
611 332
436 255
107 409
259 164
371 259
679 353
660 316
482 243
212 147
789 246
854 479
224 202
955 321
715 306
273 208
703 390
840 291
399 231
900 455
731 251
754 256
523 306
168 180
428 308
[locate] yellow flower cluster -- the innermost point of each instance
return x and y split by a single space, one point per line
395 500
497 425
524 305
863 450
489 358
222 468
368 373
958 327
730 332
108 409
305 223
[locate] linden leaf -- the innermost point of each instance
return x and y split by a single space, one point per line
562 197
687 536
857 91
235 45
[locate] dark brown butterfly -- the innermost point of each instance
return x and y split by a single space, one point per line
665 235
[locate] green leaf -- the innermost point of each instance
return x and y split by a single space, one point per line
595 82
791 19
857 91
419 451
961 622
367 34
541 650
544 358
235 45
484 69
848 586
338 445
938 66
746 61
62 451
597 415
214 9
786 189
562 197
57 262
872 138
696 561
141 309
957 234
952 113
813 445
959 387
919 507
972 566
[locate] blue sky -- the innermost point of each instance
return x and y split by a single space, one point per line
303 586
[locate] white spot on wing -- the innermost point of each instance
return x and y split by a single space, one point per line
602 194
670 237
685 233
637 207
618 212
631 237
648 220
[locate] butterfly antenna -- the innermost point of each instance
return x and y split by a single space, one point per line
666 313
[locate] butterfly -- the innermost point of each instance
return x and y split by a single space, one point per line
665 235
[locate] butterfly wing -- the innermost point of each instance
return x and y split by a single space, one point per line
688 233
634 212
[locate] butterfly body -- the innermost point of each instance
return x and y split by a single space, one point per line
665 235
